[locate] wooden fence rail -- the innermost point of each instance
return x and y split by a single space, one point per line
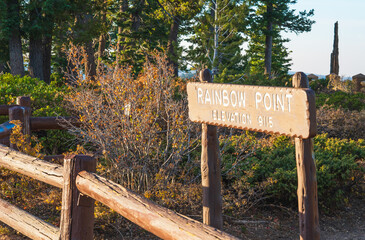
77 204
46 123
22 111
4 109
33 167
158 220
40 123
27 224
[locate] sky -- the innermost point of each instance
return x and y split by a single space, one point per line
311 51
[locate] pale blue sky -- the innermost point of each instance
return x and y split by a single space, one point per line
311 51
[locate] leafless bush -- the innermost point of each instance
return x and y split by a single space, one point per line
138 124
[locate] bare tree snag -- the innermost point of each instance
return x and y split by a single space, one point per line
158 220
307 179
29 225
77 216
33 167
211 170
335 66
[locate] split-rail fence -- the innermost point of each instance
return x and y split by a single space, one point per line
80 188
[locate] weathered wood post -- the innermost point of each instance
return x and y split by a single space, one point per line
77 216
25 102
307 179
211 170
23 115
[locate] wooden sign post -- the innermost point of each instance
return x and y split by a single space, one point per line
307 179
285 111
211 170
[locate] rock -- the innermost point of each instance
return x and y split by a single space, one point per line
312 77
358 82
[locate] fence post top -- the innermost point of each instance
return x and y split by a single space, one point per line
205 75
24 101
79 156
300 80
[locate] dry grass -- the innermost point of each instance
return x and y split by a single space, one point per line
341 123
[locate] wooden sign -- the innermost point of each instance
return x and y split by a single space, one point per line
286 111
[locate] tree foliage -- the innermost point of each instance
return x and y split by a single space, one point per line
125 30
218 36
269 18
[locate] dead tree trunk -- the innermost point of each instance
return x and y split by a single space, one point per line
335 68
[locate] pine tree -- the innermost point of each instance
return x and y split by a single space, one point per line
4 42
178 14
141 30
218 36
255 55
269 17
10 32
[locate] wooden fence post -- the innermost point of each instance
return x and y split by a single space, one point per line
307 179
23 101
77 216
23 115
211 170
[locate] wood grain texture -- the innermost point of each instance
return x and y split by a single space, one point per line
31 166
27 224
24 101
307 179
158 220
46 123
77 215
16 113
211 177
4 109
67 196
211 170
278 110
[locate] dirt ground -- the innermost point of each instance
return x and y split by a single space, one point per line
344 224
272 223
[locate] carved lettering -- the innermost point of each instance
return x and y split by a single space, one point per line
269 109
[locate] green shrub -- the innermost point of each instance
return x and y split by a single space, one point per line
319 85
261 79
47 100
341 100
274 166
338 168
